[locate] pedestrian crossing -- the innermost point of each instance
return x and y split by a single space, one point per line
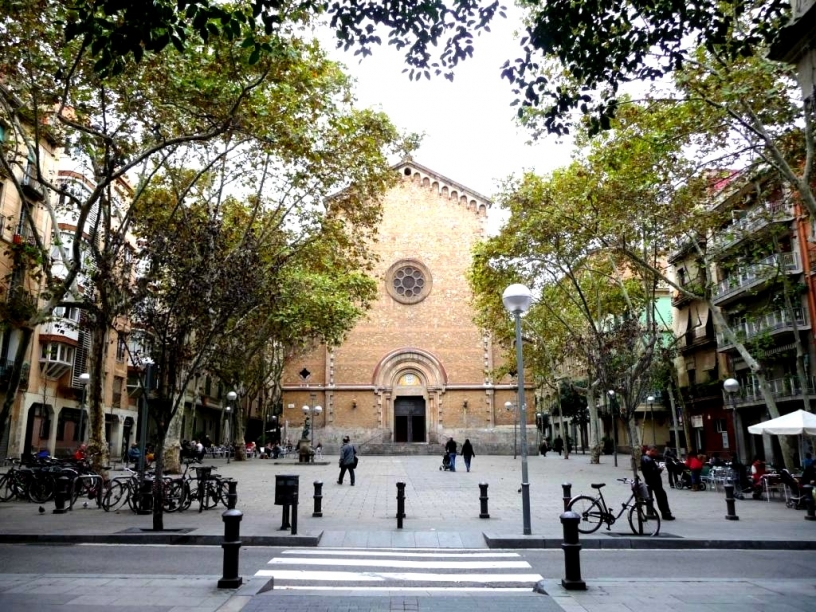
398 570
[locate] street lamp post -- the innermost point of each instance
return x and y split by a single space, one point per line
650 400
311 412
84 379
230 409
517 300
732 387
512 406
611 395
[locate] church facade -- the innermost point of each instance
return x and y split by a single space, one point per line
416 368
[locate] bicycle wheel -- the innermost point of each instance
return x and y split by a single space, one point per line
173 496
7 489
642 522
589 509
114 497
223 491
211 496
40 489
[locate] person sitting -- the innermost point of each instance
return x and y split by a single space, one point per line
81 453
134 454
276 451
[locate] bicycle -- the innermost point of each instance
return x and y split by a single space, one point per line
594 512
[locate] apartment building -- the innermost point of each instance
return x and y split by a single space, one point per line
756 268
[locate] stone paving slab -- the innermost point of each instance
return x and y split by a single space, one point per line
440 506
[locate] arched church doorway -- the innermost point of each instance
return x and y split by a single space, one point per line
409 419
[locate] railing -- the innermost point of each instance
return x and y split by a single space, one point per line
755 273
31 186
787 387
754 220
768 323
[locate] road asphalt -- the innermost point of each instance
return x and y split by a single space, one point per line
442 512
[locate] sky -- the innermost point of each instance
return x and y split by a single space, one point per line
470 136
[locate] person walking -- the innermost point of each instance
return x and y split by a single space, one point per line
651 476
450 448
670 458
467 453
348 460
558 445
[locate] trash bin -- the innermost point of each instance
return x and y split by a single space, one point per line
286 489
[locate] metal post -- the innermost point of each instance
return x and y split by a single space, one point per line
81 435
61 495
232 495
232 546
145 497
143 422
318 498
294 512
204 473
572 553
567 488
400 503
483 500
810 514
515 427
729 503
525 482
285 524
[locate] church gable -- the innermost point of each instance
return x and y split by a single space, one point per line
443 186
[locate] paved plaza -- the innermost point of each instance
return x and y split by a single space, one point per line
442 511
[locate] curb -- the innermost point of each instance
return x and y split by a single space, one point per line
647 543
158 538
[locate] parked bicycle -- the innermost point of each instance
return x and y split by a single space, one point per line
594 512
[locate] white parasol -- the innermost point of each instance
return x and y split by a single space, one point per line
793 424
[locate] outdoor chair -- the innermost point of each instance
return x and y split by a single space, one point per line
794 496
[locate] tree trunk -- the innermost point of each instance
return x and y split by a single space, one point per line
158 489
634 444
595 444
14 379
171 451
670 391
98 448
238 442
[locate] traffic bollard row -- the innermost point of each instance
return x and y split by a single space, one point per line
483 500
729 503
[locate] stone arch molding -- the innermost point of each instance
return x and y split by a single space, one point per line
427 366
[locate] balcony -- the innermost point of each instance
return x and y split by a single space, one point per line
756 219
772 323
60 330
782 389
754 275
694 339
32 188
56 358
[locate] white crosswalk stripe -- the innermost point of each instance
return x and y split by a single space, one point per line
399 570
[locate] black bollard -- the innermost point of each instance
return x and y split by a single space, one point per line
146 497
318 498
400 503
62 494
729 503
572 551
483 500
294 511
232 546
232 494
567 487
810 515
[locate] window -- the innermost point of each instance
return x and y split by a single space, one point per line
721 425
56 351
408 281
121 349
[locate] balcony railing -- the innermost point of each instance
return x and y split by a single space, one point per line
754 220
31 186
755 274
770 323
784 388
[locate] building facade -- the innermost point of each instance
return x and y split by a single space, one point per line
416 368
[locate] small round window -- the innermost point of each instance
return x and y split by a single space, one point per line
408 281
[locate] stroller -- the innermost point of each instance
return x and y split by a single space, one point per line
682 475
445 462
